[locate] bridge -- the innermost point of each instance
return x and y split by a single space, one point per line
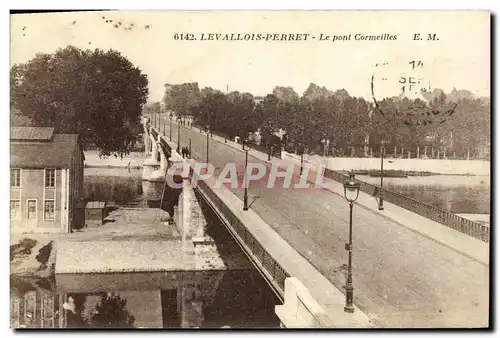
413 266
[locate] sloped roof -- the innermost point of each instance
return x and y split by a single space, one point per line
52 154
31 133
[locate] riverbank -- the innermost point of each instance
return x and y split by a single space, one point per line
392 173
106 172
427 166
413 166
134 160
112 167
439 180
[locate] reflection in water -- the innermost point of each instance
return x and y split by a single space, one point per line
117 188
110 312
238 298
125 188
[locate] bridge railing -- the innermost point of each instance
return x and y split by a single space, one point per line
154 133
272 270
165 146
446 218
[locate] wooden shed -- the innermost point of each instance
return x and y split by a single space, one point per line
95 212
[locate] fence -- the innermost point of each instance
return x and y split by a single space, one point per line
165 147
399 151
446 218
154 133
275 150
271 270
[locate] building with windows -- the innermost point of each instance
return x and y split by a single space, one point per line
46 181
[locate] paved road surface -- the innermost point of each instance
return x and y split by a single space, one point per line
401 278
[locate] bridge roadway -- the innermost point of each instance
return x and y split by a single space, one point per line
401 278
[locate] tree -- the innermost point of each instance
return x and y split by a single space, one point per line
212 110
17 119
436 93
241 114
267 113
314 91
468 128
152 110
354 120
286 94
183 99
341 94
96 94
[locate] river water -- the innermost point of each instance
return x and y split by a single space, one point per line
456 194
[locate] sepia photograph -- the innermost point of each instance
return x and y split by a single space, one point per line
194 169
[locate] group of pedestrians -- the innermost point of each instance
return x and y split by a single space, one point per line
186 123
185 152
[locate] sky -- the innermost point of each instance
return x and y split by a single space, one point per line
460 59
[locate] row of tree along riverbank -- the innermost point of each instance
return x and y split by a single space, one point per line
456 124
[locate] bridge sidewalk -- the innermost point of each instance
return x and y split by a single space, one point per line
467 245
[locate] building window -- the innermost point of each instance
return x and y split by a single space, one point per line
15 210
15 178
32 209
49 214
50 178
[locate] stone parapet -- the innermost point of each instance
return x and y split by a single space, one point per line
300 309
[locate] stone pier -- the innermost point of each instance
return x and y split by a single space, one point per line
158 175
151 163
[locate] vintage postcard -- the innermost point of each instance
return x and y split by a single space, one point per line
250 169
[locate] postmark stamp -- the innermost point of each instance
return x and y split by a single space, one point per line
413 99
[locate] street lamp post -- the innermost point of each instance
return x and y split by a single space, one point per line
302 153
245 196
209 124
301 161
351 193
178 135
208 140
190 149
381 196
170 127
